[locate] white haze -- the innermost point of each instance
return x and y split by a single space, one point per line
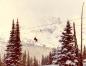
34 15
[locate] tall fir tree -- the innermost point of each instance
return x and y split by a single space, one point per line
14 47
17 44
29 60
84 53
42 61
75 40
45 60
9 60
24 59
35 62
67 55
77 51
18 41
50 59
30 63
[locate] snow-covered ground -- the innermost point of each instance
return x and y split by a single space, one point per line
84 64
37 51
58 65
51 65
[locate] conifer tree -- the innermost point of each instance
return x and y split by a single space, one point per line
17 42
46 60
30 63
29 60
75 40
67 53
9 60
78 54
50 58
13 55
24 59
42 61
3 63
84 53
0 61
35 63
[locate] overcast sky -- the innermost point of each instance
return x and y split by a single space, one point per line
32 13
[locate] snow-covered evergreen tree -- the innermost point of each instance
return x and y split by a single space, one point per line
67 54
13 55
55 53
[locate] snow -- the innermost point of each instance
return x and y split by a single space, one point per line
64 49
8 58
51 65
69 62
37 51
84 62
54 61
76 60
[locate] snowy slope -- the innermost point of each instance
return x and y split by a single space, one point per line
36 50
